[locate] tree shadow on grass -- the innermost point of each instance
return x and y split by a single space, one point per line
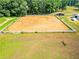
76 10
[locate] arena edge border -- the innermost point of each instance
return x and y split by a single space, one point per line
2 31
72 29
54 31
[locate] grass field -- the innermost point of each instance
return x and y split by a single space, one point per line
7 22
38 24
67 18
42 45
2 19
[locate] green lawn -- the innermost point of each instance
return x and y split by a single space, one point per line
41 45
75 25
2 19
7 46
67 18
71 10
12 20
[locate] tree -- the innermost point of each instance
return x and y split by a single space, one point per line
25 7
71 2
17 8
13 7
77 5
63 4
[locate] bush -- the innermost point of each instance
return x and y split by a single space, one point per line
1 15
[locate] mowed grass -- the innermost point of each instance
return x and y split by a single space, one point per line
2 19
12 20
74 24
67 18
7 46
41 45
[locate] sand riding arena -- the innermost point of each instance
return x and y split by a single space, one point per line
44 23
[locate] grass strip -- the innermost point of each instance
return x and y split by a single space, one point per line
65 19
7 23
2 19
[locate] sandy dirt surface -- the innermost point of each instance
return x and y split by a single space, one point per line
37 24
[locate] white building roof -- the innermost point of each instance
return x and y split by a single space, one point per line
76 14
74 19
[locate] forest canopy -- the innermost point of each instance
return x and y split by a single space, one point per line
27 7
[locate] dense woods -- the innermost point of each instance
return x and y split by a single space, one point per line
26 7
13 7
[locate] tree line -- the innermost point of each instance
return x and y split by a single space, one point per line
31 7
